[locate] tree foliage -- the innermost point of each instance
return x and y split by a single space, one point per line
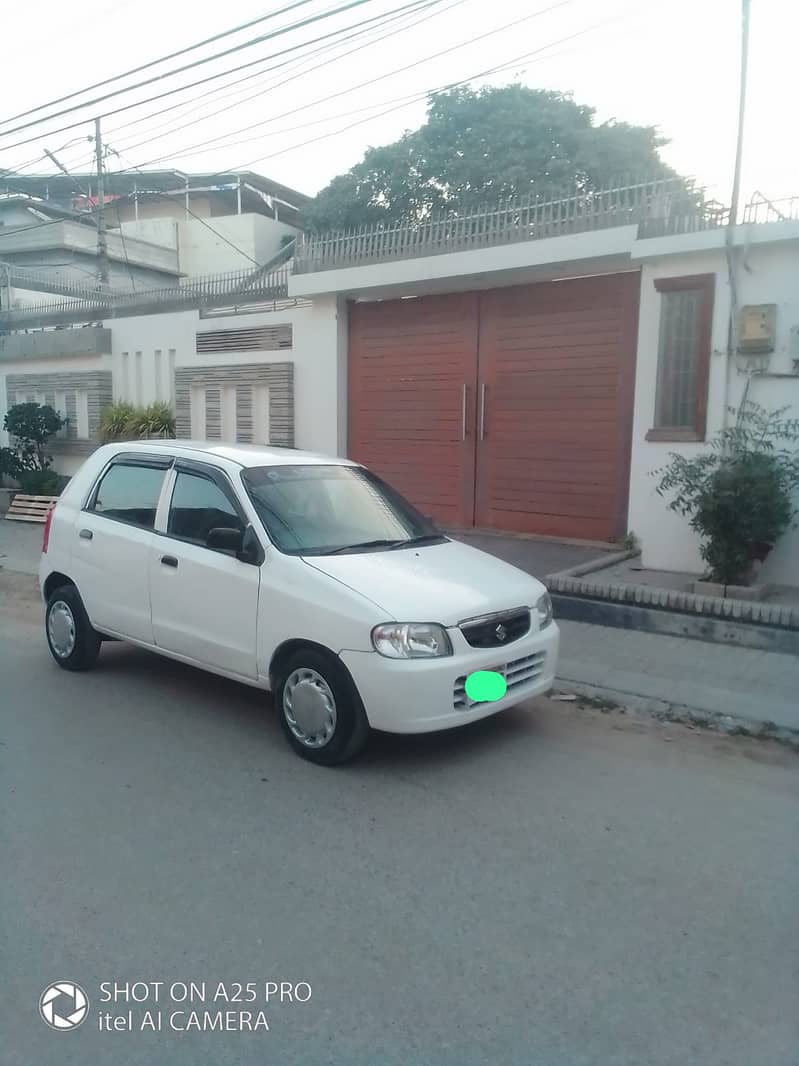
483 146
32 425
740 495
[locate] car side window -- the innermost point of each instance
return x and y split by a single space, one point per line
198 506
129 493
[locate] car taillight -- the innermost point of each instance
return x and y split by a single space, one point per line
47 523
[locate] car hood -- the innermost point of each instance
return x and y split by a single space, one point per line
444 583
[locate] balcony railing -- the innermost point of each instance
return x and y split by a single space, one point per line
665 205
240 287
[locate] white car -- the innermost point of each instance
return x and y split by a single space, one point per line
297 573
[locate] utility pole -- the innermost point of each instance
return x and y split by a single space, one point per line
729 243
739 146
102 241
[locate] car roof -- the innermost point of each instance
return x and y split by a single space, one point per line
248 455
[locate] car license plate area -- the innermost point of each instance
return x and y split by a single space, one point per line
517 672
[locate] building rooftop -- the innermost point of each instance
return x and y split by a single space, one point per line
63 188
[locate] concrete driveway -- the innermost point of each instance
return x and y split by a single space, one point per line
552 886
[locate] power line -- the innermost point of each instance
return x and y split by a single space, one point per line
391 17
281 84
187 66
364 84
204 81
156 62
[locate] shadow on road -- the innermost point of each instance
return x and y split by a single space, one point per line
192 692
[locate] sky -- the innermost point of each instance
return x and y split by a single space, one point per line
673 65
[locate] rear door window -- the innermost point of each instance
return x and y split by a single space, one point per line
129 493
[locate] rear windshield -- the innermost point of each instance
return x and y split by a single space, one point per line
314 510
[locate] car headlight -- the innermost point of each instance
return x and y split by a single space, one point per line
411 640
544 610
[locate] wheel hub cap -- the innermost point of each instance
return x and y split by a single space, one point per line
309 708
61 629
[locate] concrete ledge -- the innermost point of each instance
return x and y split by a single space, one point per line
696 613
656 619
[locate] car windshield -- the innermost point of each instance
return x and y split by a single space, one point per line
321 509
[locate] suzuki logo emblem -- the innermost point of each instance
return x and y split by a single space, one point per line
500 632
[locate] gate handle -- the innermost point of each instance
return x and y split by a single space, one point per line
463 412
482 411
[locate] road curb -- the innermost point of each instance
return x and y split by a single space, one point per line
612 699
580 596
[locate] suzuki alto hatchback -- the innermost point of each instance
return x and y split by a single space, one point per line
300 574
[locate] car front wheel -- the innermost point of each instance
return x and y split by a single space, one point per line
320 710
73 643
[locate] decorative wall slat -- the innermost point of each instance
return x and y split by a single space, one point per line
279 379
258 339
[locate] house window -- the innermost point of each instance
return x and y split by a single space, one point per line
686 308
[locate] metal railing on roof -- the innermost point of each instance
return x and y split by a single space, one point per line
235 287
760 209
665 205
47 281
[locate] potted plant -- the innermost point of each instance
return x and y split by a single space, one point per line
740 495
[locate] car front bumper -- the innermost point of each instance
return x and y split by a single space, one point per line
424 695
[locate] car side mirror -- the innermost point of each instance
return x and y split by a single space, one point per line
223 539
251 550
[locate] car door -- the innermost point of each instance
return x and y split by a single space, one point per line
113 541
204 600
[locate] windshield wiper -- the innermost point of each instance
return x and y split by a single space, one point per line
366 544
425 538
390 545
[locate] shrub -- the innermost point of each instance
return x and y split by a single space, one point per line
115 419
739 495
123 421
156 420
42 482
10 464
31 425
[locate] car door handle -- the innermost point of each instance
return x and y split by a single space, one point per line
85 534
169 560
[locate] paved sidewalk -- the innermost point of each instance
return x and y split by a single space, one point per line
20 546
661 673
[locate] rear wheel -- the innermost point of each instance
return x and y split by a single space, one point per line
73 643
320 710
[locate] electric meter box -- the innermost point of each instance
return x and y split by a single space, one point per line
757 326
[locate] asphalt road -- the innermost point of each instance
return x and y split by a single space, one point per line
553 886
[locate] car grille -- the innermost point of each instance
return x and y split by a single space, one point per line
498 630
516 673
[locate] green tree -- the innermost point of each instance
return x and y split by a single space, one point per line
483 146
32 425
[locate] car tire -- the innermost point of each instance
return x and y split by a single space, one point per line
320 709
73 642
